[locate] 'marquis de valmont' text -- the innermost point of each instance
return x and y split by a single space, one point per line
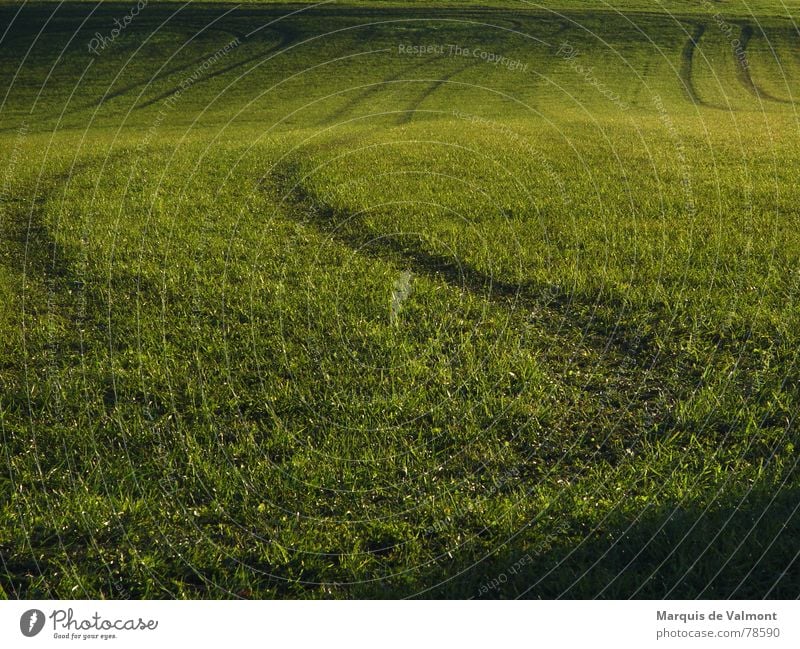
697 616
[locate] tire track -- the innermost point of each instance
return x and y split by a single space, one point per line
139 84
619 361
284 40
408 115
687 64
59 332
166 73
35 247
743 68
49 286
372 89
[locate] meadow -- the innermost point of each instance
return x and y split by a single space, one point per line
383 300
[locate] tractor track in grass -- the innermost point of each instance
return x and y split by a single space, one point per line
435 84
133 86
743 73
687 64
48 288
35 248
407 116
639 383
284 39
372 89
275 49
160 75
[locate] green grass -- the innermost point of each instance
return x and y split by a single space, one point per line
314 317
785 8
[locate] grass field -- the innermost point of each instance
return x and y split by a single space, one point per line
400 300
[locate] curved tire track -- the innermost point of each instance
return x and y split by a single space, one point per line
284 40
687 64
630 368
743 68
166 73
408 115
372 89
436 84
518 25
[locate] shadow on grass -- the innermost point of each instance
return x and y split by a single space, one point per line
742 548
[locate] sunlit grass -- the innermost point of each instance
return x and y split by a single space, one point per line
323 319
